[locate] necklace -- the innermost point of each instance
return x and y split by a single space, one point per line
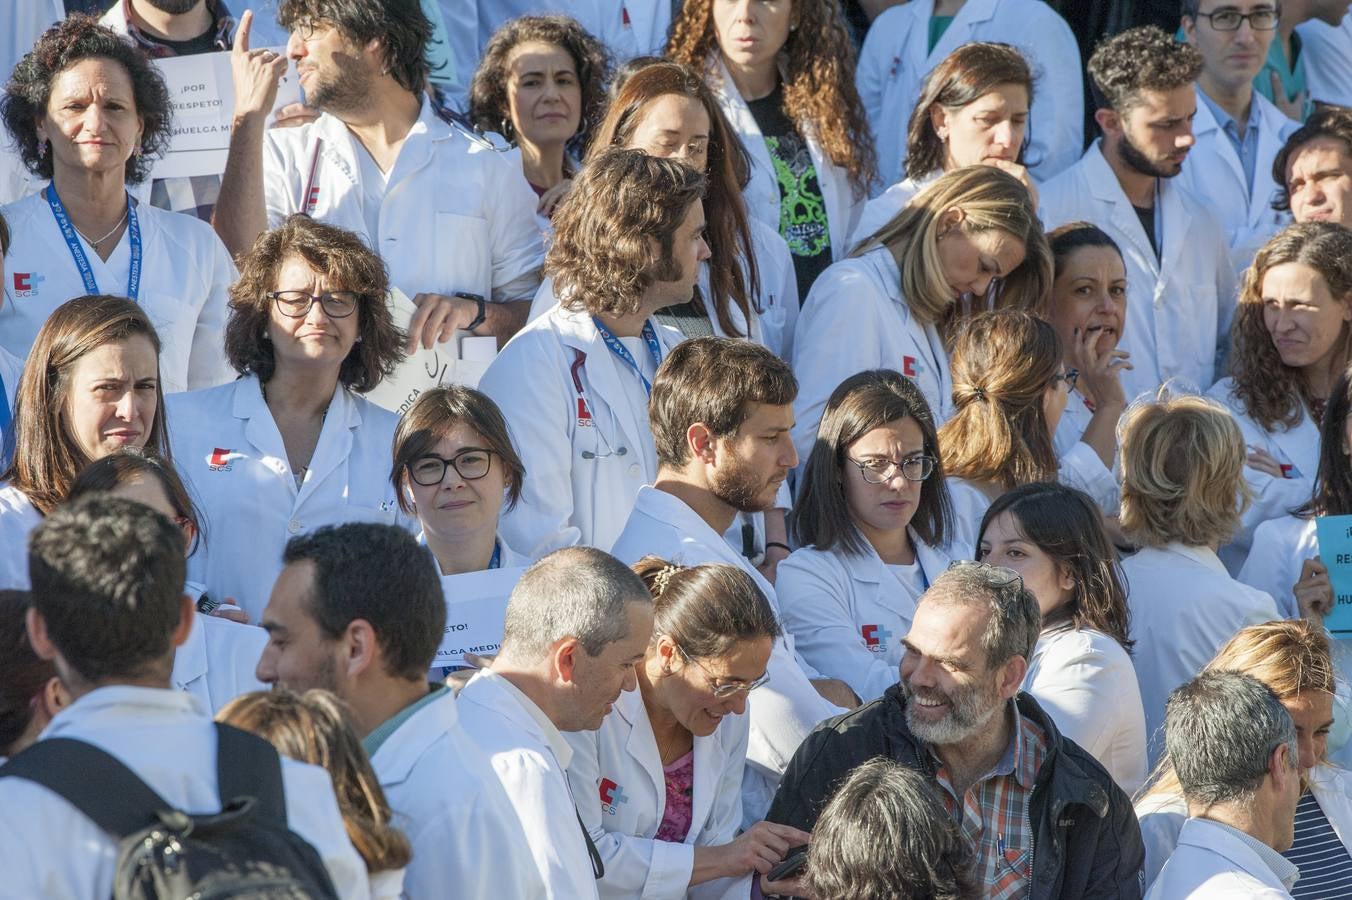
95 243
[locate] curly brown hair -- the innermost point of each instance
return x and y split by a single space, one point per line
1272 392
348 265
488 106
601 260
1333 123
819 92
1139 59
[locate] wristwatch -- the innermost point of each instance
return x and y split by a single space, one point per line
482 313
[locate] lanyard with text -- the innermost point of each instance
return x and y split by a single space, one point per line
77 253
620 350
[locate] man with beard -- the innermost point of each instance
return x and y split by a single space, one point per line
450 215
358 611
1180 281
1006 775
1314 169
720 413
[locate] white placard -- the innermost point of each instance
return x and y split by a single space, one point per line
461 360
202 91
475 614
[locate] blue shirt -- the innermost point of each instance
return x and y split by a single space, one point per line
1246 146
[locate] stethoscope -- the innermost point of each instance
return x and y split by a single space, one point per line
584 412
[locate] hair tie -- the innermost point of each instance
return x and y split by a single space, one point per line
663 578
979 393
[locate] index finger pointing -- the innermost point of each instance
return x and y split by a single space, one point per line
242 33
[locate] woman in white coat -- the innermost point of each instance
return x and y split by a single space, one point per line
455 468
664 770
781 70
573 385
967 242
1292 339
291 446
901 49
90 387
973 110
874 524
1182 494
1081 670
1291 658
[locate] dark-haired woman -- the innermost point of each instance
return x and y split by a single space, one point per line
658 785
1080 672
89 112
873 519
291 445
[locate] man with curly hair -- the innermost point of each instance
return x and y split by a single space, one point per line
1313 170
1180 281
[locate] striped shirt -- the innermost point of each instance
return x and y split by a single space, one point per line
993 814
1325 867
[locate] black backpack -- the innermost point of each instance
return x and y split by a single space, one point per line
244 851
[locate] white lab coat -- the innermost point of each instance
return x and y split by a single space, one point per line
1085 681
165 736
616 773
848 613
1179 310
884 207
218 660
1080 464
855 318
476 605
26 21
1295 448
1184 606
466 839
18 516
1326 52
11 367
1212 863
230 453
784 710
587 451
456 215
896 58
531 758
1214 171
185 275
762 193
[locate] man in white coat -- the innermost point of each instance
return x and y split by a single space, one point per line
358 611
1180 282
578 623
721 413
1237 130
109 610
1233 746
450 215
1314 169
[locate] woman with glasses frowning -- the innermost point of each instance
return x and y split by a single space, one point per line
874 522
658 785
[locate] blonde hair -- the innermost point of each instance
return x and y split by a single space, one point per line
1182 472
1290 656
988 198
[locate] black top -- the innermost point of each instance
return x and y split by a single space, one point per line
1147 217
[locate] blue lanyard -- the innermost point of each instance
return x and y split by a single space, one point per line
496 561
77 253
620 350
5 420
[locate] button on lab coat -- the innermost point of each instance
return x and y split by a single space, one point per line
616 774
1178 310
784 710
896 58
228 449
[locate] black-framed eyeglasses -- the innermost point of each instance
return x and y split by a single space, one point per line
997 577
1070 376
471 464
296 304
1230 19
880 470
724 690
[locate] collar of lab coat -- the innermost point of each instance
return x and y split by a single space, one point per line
190 659
959 31
1203 556
506 699
1214 837
121 701
340 147
873 570
1273 129
641 745
405 746
1175 217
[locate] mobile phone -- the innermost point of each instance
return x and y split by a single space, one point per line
790 865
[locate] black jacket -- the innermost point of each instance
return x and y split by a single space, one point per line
1086 838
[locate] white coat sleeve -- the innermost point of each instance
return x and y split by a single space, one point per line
450 851
1080 467
814 602
635 866
281 181
545 809
782 713
312 813
871 74
725 820
1057 115
518 250
1272 566
779 301
207 363
1083 698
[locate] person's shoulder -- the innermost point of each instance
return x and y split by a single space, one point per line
203 401
22 210
812 563
375 416
893 24
13 500
1285 530
182 230
1086 646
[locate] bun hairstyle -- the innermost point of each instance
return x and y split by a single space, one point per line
706 610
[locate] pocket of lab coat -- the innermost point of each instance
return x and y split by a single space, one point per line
464 251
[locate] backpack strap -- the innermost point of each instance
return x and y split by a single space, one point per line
248 766
92 780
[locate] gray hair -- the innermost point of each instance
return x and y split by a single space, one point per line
1015 620
1220 730
577 592
885 834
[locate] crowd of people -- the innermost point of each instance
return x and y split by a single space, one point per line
897 468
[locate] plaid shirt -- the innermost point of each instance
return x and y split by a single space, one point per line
993 814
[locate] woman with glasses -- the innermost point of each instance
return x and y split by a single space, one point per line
658 785
874 523
969 242
1080 671
291 445
455 468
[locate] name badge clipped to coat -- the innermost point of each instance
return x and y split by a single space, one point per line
1335 551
